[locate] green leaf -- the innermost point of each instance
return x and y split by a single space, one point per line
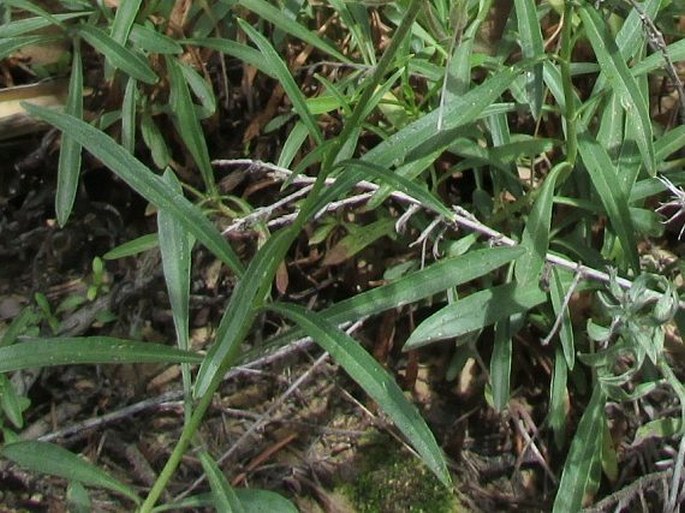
118 56
128 115
78 500
457 113
359 239
264 501
133 247
35 9
619 77
188 124
359 27
154 140
476 311
292 145
375 381
655 61
605 180
201 88
532 46
142 180
557 294
253 501
18 326
124 19
10 45
241 310
275 63
11 403
69 164
274 15
240 51
413 287
408 171
558 396
659 428
535 238
150 40
500 365
51 459
225 498
43 352
176 244
20 27
585 450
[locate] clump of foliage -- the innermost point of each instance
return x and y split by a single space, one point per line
517 140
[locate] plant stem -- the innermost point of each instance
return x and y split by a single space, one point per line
175 459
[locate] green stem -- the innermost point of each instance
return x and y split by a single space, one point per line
175 459
309 206
570 104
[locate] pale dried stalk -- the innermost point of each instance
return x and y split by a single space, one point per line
462 219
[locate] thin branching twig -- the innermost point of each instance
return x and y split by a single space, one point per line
462 219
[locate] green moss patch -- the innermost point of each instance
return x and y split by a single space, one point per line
391 480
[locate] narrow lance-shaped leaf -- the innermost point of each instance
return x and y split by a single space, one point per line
421 284
71 351
119 56
188 124
128 115
500 364
274 61
225 498
630 40
133 247
532 46
263 501
69 164
19 27
124 19
201 88
35 9
474 312
585 449
176 244
557 294
51 459
359 239
142 180
240 312
150 40
622 82
604 178
375 381
461 111
656 60
275 15
558 398
10 45
11 403
535 238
